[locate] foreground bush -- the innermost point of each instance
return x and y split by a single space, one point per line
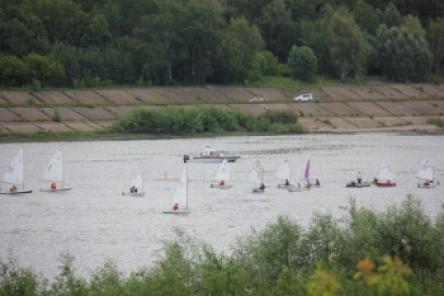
398 252
181 121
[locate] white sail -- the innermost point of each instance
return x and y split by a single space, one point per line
385 173
54 169
223 173
181 196
14 174
254 177
137 182
259 171
426 171
283 171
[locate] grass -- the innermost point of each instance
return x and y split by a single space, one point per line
395 252
436 121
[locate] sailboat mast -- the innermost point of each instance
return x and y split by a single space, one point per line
186 174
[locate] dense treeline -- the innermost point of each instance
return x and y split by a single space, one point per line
210 120
162 42
394 253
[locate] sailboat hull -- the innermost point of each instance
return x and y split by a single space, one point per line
64 189
357 185
385 184
283 186
138 194
16 193
217 186
257 190
179 213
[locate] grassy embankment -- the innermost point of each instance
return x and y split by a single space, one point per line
397 252
180 122
436 121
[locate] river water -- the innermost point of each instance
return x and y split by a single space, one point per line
95 223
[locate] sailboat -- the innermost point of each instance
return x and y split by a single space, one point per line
385 177
426 175
136 187
257 178
297 183
222 176
283 174
54 174
180 204
14 176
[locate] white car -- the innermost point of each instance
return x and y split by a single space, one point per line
256 99
303 98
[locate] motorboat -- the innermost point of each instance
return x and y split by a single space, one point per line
209 155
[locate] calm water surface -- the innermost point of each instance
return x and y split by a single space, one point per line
95 223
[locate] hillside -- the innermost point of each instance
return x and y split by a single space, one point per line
336 108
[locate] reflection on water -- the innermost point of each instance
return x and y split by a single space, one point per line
95 223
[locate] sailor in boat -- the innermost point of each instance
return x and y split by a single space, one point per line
133 189
359 178
287 183
53 186
262 187
317 183
175 206
222 183
13 188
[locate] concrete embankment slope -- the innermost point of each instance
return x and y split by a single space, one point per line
336 108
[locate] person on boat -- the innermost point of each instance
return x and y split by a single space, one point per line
359 178
53 186
427 183
262 187
287 183
318 183
175 206
13 188
375 180
222 183
133 189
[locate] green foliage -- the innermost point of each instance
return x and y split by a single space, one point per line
392 17
437 121
43 69
435 36
281 116
303 63
170 42
13 72
178 121
367 18
347 46
268 63
402 56
323 283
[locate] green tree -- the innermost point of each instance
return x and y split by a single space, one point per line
268 63
412 24
347 45
241 43
392 17
277 28
44 69
435 36
366 17
402 55
303 63
13 71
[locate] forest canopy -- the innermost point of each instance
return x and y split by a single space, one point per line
81 43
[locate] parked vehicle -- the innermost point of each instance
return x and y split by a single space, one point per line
303 98
256 99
